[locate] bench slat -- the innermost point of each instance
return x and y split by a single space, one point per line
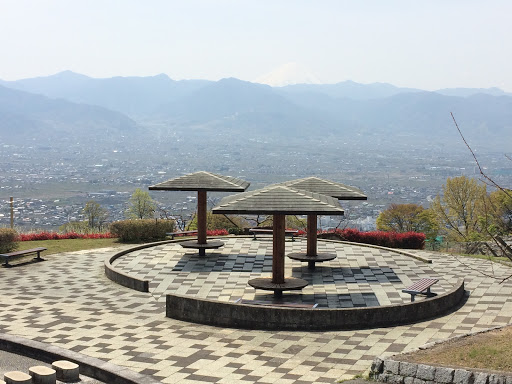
421 287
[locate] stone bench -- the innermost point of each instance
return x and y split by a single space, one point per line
42 375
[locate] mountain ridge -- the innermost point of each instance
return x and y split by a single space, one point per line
347 109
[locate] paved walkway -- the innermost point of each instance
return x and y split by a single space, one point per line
67 301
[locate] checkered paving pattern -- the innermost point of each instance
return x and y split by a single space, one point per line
67 301
358 277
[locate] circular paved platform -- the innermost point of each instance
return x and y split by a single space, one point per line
358 276
67 301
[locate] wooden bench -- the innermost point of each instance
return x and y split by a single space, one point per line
288 232
14 255
421 287
182 233
271 304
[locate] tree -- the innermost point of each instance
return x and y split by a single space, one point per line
501 205
291 221
408 218
141 205
231 223
462 208
95 214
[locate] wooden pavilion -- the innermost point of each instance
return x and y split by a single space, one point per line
202 182
279 201
328 188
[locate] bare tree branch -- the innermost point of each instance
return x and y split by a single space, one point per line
484 175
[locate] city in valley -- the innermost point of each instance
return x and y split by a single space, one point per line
51 182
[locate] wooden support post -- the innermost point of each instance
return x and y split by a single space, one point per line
201 220
278 249
312 235
12 212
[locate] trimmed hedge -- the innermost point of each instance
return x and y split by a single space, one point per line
62 236
141 230
8 240
407 240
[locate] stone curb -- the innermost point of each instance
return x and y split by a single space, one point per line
395 250
388 370
132 282
233 315
89 366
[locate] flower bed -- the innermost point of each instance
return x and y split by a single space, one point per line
407 240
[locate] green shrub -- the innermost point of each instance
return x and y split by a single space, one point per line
141 230
8 240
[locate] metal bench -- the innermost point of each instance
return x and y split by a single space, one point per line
421 287
14 255
288 232
182 233
272 304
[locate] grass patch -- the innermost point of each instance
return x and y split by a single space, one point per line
68 245
490 351
502 260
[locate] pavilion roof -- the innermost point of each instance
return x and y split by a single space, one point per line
326 187
279 199
202 181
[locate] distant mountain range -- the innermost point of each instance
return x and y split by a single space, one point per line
27 116
68 101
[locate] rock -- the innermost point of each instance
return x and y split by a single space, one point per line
408 369
391 366
426 372
377 365
481 378
444 375
462 376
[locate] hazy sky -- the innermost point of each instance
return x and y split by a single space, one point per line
423 44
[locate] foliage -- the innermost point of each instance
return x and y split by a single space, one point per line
461 208
141 230
96 215
211 232
217 232
501 205
8 240
291 222
407 240
45 235
232 224
408 218
76 227
141 205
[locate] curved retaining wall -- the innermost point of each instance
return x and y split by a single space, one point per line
226 314
125 279
89 366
